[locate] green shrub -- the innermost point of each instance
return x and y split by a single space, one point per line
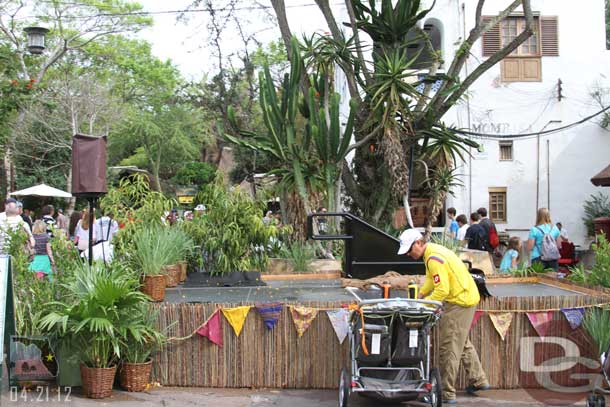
596 206
98 313
600 272
231 233
195 173
300 256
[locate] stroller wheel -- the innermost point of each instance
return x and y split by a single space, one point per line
344 387
596 400
436 394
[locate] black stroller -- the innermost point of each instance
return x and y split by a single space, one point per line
596 398
390 351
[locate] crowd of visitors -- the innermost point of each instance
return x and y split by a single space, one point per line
478 232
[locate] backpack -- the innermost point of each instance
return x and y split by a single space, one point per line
478 239
548 248
494 240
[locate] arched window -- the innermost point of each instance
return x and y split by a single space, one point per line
434 28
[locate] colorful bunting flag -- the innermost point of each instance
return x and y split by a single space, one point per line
302 317
212 328
270 312
501 322
477 316
236 317
540 321
574 316
339 320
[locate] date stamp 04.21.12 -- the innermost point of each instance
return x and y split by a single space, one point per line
40 394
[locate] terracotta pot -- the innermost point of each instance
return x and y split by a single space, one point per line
172 273
97 382
183 267
154 287
135 376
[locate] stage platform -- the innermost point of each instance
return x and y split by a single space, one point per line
328 290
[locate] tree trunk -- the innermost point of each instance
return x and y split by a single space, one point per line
72 202
8 169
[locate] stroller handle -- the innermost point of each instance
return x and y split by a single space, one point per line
353 291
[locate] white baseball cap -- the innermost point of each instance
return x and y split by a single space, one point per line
407 238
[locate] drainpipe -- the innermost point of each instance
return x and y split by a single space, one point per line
548 173
538 161
467 115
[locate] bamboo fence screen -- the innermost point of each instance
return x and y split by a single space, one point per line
277 358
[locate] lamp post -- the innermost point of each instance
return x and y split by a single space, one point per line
36 37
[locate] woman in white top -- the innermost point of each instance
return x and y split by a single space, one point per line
81 232
463 224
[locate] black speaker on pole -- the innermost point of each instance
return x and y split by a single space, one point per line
89 174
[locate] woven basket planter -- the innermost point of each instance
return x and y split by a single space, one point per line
172 275
135 376
183 266
154 287
97 382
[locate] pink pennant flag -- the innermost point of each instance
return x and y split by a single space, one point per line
477 316
540 321
212 328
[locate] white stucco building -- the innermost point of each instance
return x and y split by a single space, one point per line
547 84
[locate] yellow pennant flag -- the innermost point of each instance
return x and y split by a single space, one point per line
501 322
236 317
302 317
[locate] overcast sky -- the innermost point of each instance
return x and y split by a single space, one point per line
186 43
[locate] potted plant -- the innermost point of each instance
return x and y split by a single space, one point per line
183 246
136 361
151 251
94 317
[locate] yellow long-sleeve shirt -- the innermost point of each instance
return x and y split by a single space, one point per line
447 278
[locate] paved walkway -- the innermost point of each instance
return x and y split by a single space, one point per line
184 397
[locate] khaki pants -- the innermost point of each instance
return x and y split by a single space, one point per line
454 347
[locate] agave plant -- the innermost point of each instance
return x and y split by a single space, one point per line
97 313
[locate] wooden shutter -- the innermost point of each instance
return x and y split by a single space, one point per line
491 39
549 37
511 70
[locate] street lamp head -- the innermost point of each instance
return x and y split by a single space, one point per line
36 37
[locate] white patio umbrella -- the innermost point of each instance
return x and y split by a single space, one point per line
42 190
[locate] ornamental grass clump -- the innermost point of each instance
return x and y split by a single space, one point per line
152 248
597 324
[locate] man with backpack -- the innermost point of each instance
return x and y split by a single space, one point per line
544 241
492 240
475 235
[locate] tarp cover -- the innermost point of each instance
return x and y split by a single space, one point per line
42 190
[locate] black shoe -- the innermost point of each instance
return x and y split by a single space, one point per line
472 390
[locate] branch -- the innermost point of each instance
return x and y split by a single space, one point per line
464 51
282 20
491 61
351 187
365 139
339 37
352 18
421 104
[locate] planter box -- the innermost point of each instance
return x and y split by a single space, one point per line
32 360
320 269
232 279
